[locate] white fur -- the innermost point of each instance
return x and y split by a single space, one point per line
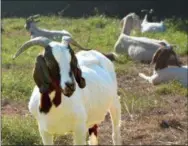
87 106
93 140
138 48
168 74
152 26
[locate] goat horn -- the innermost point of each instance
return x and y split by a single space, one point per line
41 41
33 17
73 42
36 16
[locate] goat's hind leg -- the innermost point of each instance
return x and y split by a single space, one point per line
115 113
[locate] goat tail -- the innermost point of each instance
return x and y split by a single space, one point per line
144 76
111 56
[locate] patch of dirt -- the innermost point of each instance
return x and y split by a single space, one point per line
13 108
146 129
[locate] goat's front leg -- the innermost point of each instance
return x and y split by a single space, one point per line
47 139
80 134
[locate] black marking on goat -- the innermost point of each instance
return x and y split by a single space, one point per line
45 103
161 58
54 72
47 77
93 130
76 70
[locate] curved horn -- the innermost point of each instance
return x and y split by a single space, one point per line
73 42
35 16
40 41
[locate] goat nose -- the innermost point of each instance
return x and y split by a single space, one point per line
71 86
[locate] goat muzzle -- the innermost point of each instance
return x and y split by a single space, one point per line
69 89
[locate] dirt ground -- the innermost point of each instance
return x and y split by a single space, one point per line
164 125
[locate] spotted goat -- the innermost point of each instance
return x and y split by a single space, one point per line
73 92
164 73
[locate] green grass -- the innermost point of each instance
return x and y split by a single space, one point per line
17 131
171 88
97 32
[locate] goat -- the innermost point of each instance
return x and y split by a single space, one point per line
35 31
73 92
149 12
152 26
136 23
162 73
138 48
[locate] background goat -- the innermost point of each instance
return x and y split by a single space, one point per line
35 31
138 48
162 73
147 26
73 92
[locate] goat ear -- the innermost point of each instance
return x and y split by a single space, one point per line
78 76
177 62
41 75
156 55
76 70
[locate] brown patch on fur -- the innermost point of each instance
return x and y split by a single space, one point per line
45 103
76 70
93 130
161 58
47 77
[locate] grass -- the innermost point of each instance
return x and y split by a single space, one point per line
171 88
14 133
97 32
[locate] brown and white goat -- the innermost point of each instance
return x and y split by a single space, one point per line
73 92
164 73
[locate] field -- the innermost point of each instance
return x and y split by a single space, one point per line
144 106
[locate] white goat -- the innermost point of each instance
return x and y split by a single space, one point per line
163 73
152 26
35 31
138 48
73 92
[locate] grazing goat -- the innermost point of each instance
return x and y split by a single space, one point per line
73 92
35 31
162 73
152 26
138 48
